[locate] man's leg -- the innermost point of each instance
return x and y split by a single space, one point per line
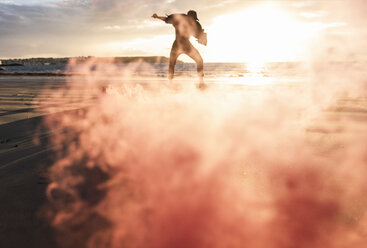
195 55
172 61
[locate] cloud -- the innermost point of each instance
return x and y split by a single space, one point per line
71 27
57 28
115 27
74 3
34 29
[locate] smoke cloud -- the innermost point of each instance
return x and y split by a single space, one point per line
152 165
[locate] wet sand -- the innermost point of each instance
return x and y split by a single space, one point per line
23 181
23 162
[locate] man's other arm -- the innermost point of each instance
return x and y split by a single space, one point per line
163 18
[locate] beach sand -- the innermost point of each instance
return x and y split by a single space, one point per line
24 162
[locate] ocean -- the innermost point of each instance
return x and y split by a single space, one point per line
211 70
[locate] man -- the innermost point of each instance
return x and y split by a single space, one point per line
186 25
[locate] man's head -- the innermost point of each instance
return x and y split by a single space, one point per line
192 14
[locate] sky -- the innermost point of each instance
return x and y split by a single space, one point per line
238 30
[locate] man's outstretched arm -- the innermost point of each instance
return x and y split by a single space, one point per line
163 18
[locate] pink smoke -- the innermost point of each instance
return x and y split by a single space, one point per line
232 166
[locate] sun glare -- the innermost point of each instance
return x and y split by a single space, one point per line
258 34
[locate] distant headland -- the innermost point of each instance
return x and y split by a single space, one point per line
63 61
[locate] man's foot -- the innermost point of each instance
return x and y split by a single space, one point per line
202 86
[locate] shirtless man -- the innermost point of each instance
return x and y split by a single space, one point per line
186 25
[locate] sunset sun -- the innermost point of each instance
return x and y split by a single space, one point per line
259 34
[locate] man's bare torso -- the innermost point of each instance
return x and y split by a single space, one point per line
185 26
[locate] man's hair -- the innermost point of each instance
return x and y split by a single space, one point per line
192 13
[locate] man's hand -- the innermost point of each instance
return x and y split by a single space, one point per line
155 16
203 38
